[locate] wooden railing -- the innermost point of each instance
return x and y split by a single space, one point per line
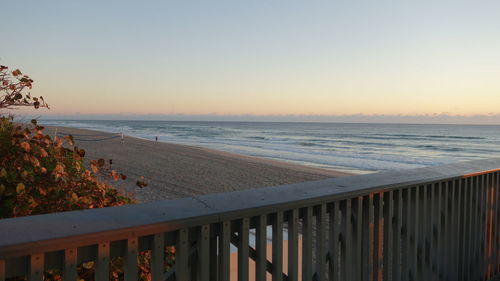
436 223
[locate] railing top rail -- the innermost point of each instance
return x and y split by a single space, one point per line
42 233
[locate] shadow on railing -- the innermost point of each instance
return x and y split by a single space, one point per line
435 223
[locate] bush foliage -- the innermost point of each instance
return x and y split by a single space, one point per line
41 175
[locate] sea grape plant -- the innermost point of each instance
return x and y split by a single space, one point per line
41 175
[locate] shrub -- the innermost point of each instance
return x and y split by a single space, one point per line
40 175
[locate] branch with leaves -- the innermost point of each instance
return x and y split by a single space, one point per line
12 87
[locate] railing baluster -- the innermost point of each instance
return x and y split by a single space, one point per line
214 253
358 235
243 249
307 267
334 269
416 232
321 242
405 241
157 256
472 230
495 220
378 254
493 245
388 234
476 227
130 266
489 221
371 238
412 232
69 271
293 262
486 228
224 251
440 230
434 231
102 264
398 232
182 255
348 241
460 208
365 266
261 248
37 262
483 227
426 223
2 270
204 253
464 230
453 214
278 247
447 236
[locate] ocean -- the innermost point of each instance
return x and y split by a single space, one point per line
356 148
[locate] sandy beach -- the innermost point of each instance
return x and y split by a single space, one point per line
173 171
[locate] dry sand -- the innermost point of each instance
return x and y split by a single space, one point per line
173 171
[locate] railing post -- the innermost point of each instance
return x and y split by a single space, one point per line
130 266
102 264
293 223
182 255
379 237
277 246
335 224
69 272
214 253
224 251
204 253
243 250
2 270
37 262
388 217
158 256
307 244
495 219
261 248
348 240
321 242
358 236
471 230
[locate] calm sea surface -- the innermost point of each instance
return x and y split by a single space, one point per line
360 148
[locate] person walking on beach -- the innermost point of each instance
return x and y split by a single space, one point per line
156 138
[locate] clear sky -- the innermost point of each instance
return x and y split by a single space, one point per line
258 57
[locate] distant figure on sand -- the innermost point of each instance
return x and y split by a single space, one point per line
156 138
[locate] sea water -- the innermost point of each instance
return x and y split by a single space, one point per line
357 148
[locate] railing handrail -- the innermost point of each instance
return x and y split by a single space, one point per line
44 233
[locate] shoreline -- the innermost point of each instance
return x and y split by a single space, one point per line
176 170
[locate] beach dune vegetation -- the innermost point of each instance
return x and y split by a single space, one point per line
39 174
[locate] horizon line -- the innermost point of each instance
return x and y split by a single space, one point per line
444 119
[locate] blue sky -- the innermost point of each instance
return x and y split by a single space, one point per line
239 58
